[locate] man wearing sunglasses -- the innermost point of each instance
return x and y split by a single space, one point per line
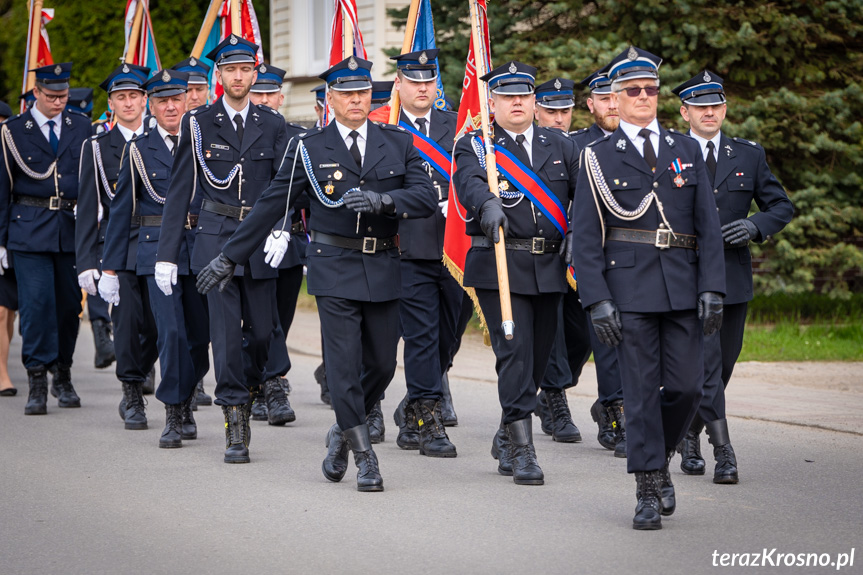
651 273
41 149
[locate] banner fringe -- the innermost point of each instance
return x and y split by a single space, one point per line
459 277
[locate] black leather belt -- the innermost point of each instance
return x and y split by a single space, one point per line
53 203
225 210
660 238
298 228
536 246
156 221
365 245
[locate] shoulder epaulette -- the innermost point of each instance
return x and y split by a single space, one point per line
577 132
742 141
297 126
194 111
387 126
310 132
79 114
602 139
265 108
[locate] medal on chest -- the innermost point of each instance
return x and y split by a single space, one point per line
329 189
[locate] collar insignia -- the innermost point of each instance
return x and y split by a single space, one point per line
669 140
28 124
621 144
68 121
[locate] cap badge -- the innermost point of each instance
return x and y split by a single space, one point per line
423 59
58 70
352 64
125 69
193 61
263 69
234 40
632 54
166 77
83 103
557 84
512 68
706 76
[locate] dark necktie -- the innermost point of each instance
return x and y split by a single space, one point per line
711 162
174 140
238 120
421 124
649 152
52 136
355 148
519 141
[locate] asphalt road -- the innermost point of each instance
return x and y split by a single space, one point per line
79 494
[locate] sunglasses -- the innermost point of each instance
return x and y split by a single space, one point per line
635 91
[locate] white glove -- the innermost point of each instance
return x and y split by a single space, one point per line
166 276
275 248
100 213
4 260
109 288
443 205
87 280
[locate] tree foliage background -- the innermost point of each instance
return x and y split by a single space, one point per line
792 71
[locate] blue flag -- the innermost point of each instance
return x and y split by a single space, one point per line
424 40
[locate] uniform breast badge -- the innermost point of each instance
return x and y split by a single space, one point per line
207 154
503 185
677 166
337 174
329 189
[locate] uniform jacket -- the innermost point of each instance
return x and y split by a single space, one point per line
133 198
641 277
391 165
422 239
259 154
586 136
89 231
742 175
28 228
555 161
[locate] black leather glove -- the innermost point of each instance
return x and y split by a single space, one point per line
566 248
739 232
219 271
491 218
369 202
606 322
710 311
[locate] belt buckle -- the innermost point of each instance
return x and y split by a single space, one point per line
244 211
54 203
370 245
537 246
188 222
661 242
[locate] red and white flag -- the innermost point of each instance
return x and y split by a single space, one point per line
345 13
43 54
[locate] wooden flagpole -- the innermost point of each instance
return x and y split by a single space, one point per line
479 55
206 28
135 32
35 35
347 36
407 44
236 27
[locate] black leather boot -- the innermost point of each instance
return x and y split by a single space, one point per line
134 416
335 464
259 405
500 450
544 414
61 387
279 410
667 501
563 429
618 421
647 515
447 410
237 433
103 343
201 397
321 378
600 415
368 474
375 421
189 428
725 471
525 469
37 401
433 440
409 435
172 435
149 387
692 463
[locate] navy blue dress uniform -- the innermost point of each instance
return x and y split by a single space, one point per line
739 173
650 269
181 317
38 192
536 270
353 260
568 355
431 298
607 410
228 173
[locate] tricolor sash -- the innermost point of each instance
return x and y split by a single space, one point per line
430 151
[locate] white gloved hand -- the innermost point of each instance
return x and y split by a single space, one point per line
443 205
275 248
100 214
87 280
166 276
4 260
109 288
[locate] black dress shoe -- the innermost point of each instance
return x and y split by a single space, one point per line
692 463
647 514
37 400
237 433
433 440
525 468
61 387
368 473
667 501
8 392
603 420
447 410
409 435
201 397
134 414
335 464
563 429
279 410
725 471
172 435
375 421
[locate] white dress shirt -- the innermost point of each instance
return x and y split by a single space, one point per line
244 113
703 143
363 131
413 120
631 131
42 122
163 133
129 134
528 141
